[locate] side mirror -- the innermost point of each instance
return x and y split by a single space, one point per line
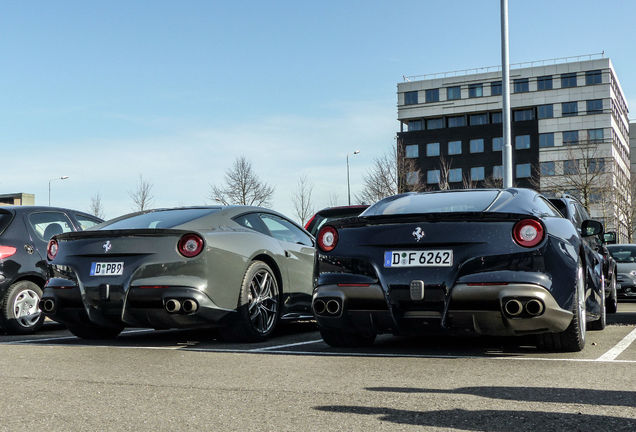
609 237
591 227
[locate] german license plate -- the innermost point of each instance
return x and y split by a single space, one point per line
107 269
419 258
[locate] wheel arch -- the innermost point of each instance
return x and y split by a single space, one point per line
271 262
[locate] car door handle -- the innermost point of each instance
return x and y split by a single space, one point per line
287 254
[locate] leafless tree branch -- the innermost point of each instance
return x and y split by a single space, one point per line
242 186
142 196
302 200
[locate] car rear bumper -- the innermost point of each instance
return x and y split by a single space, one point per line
137 307
473 306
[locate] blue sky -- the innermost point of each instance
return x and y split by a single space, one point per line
175 91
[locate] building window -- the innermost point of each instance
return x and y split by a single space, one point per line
432 95
570 137
570 167
569 109
497 172
415 125
523 115
596 165
432 176
594 106
522 142
410 98
545 111
475 90
546 139
412 151
496 117
455 175
456 121
523 170
435 123
597 197
544 82
453 93
595 135
593 77
547 168
497 144
521 85
478 119
432 149
412 177
495 88
477 173
454 147
568 80
477 145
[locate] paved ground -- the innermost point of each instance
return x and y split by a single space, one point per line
174 380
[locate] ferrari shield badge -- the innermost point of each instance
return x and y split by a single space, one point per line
107 246
418 234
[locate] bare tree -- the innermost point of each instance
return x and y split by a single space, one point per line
242 186
390 174
333 199
492 182
302 200
142 196
444 173
623 197
96 206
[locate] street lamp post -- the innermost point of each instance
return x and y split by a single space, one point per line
348 185
55 178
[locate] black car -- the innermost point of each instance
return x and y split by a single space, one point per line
24 234
572 209
329 214
499 262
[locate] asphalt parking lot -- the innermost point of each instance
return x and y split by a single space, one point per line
176 380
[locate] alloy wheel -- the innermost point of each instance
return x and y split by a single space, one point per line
263 301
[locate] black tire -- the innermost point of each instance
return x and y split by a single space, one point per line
572 339
340 338
20 308
601 322
258 308
611 305
94 332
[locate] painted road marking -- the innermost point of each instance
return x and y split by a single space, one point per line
618 349
285 346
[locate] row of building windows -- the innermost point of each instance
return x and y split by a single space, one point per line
619 146
568 109
455 175
519 85
573 167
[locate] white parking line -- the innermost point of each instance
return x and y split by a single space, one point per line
67 337
285 346
619 347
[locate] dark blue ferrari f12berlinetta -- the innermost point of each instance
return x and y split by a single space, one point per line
499 262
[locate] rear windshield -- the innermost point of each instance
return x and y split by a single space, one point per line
158 219
435 202
321 220
5 218
623 254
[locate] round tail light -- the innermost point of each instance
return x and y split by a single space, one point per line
528 233
327 238
190 245
51 249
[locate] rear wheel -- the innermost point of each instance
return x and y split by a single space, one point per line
258 310
612 301
91 331
573 338
340 338
20 308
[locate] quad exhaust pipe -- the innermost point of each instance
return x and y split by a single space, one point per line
47 305
186 306
173 305
330 307
528 307
513 307
534 307
189 306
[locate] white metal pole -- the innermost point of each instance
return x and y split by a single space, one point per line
505 87
348 187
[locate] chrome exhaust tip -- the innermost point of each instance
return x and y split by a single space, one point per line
173 305
513 307
189 306
47 305
319 307
534 307
333 307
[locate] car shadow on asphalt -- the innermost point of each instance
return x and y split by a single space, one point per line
531 394
490 420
